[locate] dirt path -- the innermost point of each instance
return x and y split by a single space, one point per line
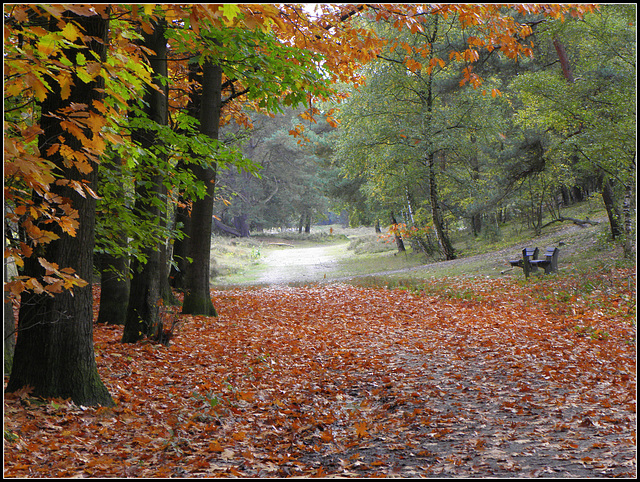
299 265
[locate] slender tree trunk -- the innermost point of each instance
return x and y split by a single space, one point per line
564 60
307 224
197 298
54 349
143 311
9 325
612 210
627 208
438 223
397 237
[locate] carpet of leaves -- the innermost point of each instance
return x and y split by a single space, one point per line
465 378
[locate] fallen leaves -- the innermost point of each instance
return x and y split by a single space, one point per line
337 380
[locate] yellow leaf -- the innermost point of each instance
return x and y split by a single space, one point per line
39 88
65 86
70 32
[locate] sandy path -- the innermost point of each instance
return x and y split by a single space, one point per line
300 265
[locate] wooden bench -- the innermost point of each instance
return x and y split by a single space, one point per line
549 261
529 253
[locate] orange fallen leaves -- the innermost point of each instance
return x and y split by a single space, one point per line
341 380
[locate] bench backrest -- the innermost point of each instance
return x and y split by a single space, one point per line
552 253
531 253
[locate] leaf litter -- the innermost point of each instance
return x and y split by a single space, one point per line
502 379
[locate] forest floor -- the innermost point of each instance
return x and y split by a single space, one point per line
455 376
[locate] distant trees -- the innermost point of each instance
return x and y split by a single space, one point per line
532 133
288 189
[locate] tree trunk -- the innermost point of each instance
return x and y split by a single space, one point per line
54 349
197 298
9 326
307 224
143 311
181 247
114 270
114 289
397 237
564 60
610 205
629 247
438 224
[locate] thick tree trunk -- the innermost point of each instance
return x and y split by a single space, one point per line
54 349
197 298
114 289
114 270
181 247
143 311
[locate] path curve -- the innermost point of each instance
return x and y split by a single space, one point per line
300 265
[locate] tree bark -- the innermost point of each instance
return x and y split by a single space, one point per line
438 224
143 311
397 237
114 289
9 326
197 298
610 205
629 246
54 348
564 60
181 247
114 270
427 99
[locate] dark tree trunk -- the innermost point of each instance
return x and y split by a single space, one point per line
612 210
397 237
307 224
54 349
114 270
197 298
181 247
114 289
241 225
476 224
143 311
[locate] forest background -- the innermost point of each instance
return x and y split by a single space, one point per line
132 131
